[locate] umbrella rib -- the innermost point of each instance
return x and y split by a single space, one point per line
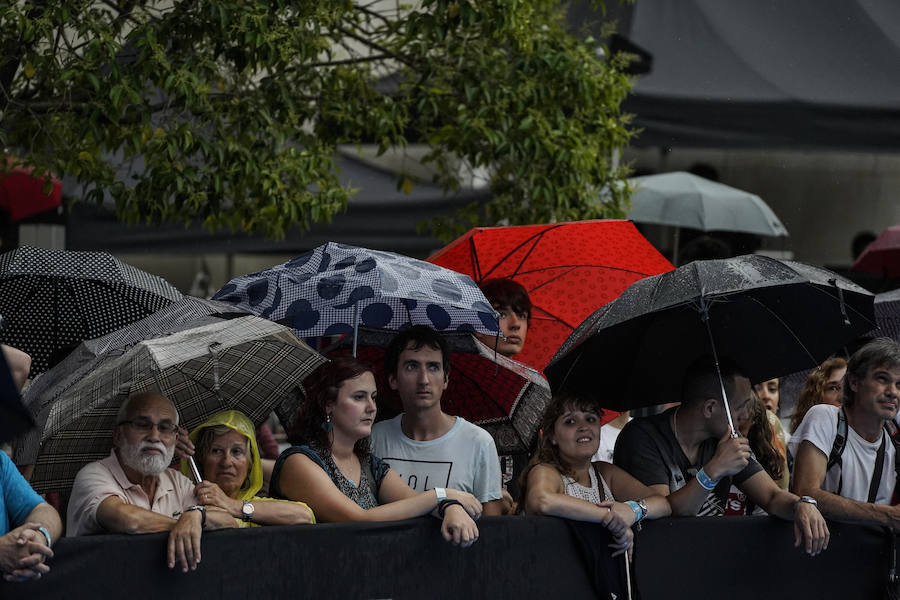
588 266
476 266
516 249
786 327
478 386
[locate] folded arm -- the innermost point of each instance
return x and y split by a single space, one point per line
810 467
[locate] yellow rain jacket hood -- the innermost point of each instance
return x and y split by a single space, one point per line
239 422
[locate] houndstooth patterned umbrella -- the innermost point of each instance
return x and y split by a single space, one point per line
246 364
54 299
40 395
329 290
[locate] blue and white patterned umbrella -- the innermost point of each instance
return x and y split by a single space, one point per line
329 290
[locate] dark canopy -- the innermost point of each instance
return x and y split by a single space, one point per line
767 73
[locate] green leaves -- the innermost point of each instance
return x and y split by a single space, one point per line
229 113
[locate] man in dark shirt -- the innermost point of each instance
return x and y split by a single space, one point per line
687 453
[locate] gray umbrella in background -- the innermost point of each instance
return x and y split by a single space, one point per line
53 299
88 355
247 364
682 199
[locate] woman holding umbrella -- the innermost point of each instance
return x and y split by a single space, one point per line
562 481
227 455
331 467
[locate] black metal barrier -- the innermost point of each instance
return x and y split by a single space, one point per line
515 557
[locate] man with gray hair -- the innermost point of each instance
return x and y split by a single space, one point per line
132 490
845 457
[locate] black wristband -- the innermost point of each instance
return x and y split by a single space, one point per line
443 504
202 510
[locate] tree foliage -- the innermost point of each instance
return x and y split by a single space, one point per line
229 112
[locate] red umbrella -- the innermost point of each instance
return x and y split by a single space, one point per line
883 255
22 195
569 269
501 395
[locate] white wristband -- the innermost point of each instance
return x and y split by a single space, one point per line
441 494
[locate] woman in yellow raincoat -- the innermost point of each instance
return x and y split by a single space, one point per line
228 458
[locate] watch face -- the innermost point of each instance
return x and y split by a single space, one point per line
247 509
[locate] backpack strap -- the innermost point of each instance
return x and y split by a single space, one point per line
837 448
875 482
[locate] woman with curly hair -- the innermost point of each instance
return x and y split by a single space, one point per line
562 481
825 385
767 450
331 468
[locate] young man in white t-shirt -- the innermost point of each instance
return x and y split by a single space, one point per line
425 445
872 394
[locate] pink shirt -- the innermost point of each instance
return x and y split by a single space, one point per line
99 480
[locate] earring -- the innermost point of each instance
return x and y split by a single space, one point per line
327 424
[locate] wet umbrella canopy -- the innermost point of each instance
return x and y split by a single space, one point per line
53 299
769 317
90 354
568 269
247 364
330 290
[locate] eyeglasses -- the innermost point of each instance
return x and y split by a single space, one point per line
145 425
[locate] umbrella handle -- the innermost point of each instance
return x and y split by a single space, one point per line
704 316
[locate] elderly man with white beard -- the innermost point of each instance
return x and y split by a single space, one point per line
132 490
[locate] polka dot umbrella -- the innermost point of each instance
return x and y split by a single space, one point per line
51 300
334 288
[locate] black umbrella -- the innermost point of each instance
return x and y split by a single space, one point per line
54 299
770 317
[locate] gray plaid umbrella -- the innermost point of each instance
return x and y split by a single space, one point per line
39 397
334 288
54 299
246 364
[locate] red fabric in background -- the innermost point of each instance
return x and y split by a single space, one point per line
882 256
22 196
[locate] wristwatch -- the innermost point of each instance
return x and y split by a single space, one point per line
644 509
247 511
441 494
809 500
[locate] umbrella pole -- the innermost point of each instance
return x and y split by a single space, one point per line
675 242
704 315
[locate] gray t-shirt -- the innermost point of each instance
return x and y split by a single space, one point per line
465 458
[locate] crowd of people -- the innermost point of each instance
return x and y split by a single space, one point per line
343 464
